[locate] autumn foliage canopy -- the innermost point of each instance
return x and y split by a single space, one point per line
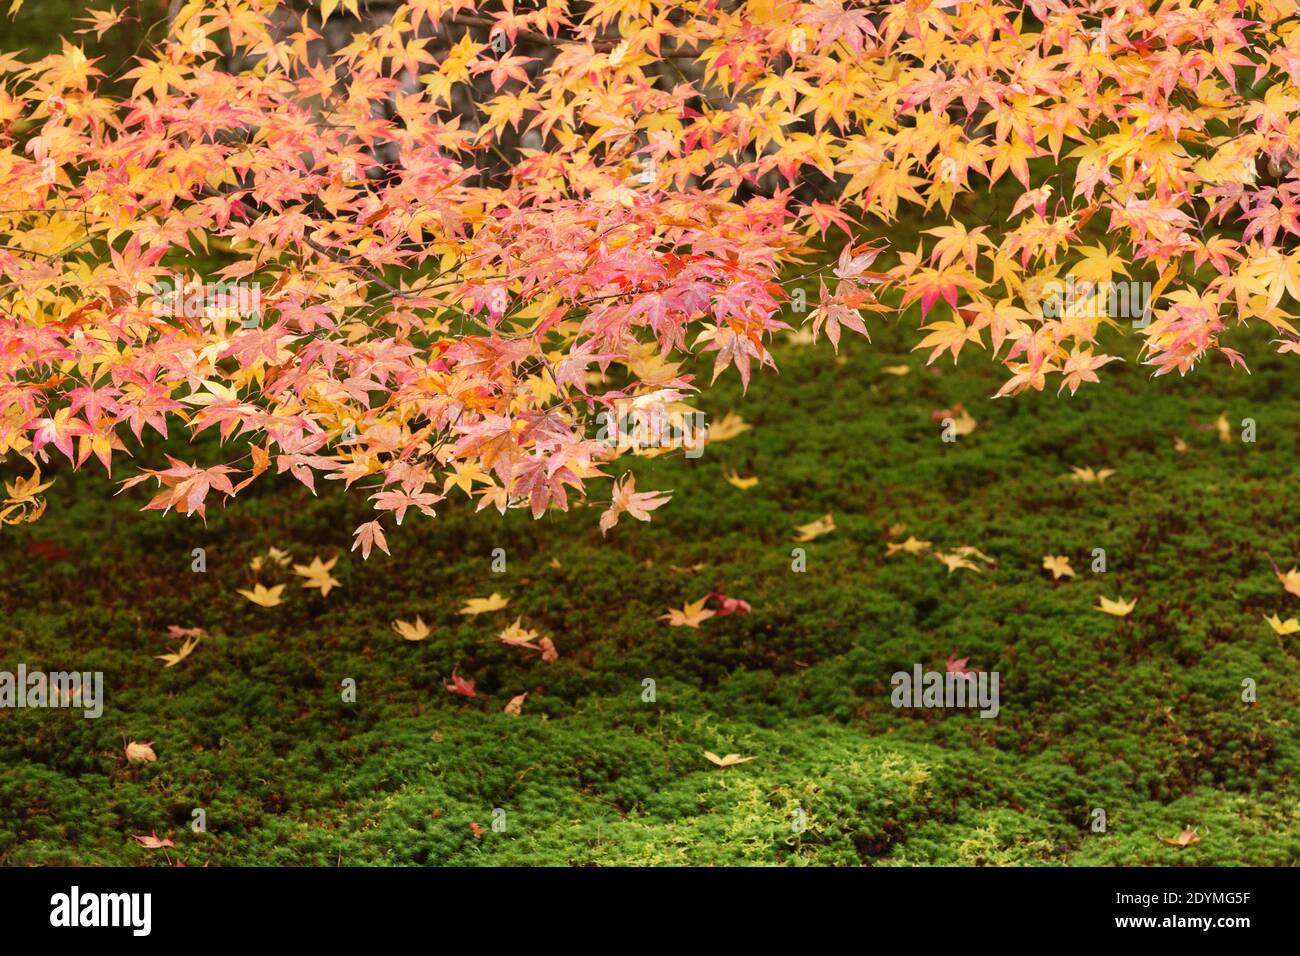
473 227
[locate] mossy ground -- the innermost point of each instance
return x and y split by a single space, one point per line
1142 717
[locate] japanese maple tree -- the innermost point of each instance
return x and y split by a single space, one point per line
473 227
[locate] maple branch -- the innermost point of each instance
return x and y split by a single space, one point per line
29 252
602 43
344 260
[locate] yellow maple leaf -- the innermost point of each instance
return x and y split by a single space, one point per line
519 636
727 427
483 605
466 473
966 551
954 562
1087 476
947 334
911 546
1098 265
964 423
1059 565
1118 607
318 575
24 489
692 615
744 484
263 596
1279 626
815 529
408 631
329 6
730 760
182 652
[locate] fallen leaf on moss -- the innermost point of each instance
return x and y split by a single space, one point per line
1118 607
956 562
957 665
1289 626
963 422
692 615
516 635
966 551
184 651
1059 565
911 546
459 685
730 605
152 841
726 428
318 575
1290 580
140 752
483 605
730 760
744 484
263 596
1186 838
815 529
417 631
1087 476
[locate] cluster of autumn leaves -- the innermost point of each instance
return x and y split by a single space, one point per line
23 502
513 635
550 214
317 576
968 557
1059 567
